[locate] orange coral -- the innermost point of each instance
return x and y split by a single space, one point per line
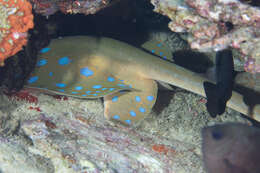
15 20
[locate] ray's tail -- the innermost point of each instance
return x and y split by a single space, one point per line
178 76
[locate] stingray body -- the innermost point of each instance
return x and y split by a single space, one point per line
92 67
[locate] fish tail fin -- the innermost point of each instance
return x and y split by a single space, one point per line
221 107
212 103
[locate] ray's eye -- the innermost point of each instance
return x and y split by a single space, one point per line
217 135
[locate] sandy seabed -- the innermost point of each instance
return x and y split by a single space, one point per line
43 133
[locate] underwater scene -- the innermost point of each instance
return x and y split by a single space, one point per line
129 86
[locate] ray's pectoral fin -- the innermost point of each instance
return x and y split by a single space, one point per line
128 107
158 48
75 75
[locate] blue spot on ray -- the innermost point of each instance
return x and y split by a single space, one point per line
153 51
150 98
161 53
51 74
116 117
88 92
78 88
141 109
132 113
121 85
41 62
104 89
110 79
74 92
44 50
128 121
97 86
33 79
64 60
84 95
115 98
159 44
111 89
137 98
95 94
86 72
61 90
60 85
98 91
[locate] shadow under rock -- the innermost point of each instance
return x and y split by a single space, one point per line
163 100
194 61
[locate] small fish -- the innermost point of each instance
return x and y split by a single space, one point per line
218 95
231 148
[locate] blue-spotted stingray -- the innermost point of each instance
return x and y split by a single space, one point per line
94 67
